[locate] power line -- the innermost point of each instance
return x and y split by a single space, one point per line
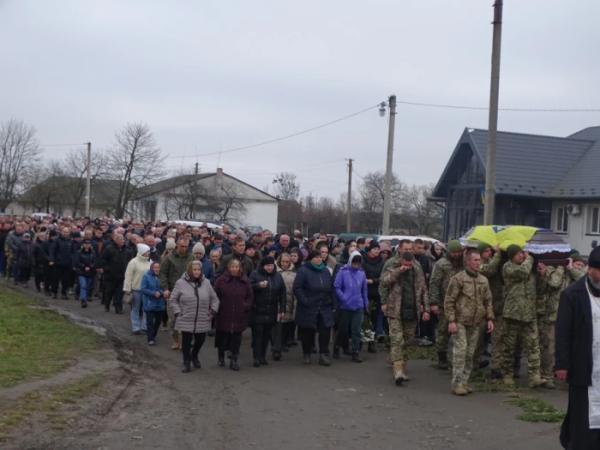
485 108
281 138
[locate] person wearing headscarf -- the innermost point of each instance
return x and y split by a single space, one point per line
136 268
236 298
193 303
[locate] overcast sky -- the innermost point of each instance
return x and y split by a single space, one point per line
213 74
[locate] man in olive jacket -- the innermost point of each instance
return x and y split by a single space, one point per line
520 317
467 303
404 284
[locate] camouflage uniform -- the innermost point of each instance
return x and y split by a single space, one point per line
443 270
519 313
492 270
402 330
549 288
468 302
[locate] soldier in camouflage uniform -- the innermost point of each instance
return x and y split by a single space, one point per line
520 324
491 267
443 270
467 303
550 283
405 296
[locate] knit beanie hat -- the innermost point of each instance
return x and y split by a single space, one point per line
594 259
170 244
482 247
576 257
199 248
454 246
512 250
373 244
266 261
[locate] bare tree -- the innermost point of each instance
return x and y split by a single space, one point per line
229 204
18 151
76 167
424 217
135 161
286 186
185 201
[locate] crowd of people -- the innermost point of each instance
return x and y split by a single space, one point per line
334 298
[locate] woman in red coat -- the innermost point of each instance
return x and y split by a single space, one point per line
235 293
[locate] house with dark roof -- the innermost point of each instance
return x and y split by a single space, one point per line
207 197
65 196
545 181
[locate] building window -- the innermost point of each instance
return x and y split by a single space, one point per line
562 219
594 225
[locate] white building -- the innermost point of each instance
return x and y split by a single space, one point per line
212 197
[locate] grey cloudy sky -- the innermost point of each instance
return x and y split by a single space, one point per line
210 75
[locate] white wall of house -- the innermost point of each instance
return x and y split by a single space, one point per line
259 208
580 228
262 213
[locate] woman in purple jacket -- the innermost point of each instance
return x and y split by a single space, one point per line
236 296
351 291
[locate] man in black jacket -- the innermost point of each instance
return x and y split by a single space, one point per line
113 264
577 329
61 260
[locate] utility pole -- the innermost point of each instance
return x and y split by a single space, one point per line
349 205
490 165
388 167
88 183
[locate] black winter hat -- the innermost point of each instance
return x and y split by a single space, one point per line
373 244
594 259
266 261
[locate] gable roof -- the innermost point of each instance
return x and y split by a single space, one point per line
180 180
168 183
536 165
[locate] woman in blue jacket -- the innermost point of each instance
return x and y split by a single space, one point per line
313 288
351 291
153 301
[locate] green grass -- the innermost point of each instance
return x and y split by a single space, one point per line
48 403
536 410
37 343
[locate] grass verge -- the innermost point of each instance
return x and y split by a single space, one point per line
37 343
536 410
48 403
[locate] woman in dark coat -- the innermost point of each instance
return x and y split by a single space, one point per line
313 288
268 306
235 294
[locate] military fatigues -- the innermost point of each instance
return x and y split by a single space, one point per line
549 287
520 324
443 270
403 293
468 302
492 270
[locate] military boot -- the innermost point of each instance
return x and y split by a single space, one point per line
508 381
442 360
460 390
399 376
372 347
536 381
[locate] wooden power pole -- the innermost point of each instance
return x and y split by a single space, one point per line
349 201
88 181
490 166
387 201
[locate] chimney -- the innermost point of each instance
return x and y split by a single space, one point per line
219 172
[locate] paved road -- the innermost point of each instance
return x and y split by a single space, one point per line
288 405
